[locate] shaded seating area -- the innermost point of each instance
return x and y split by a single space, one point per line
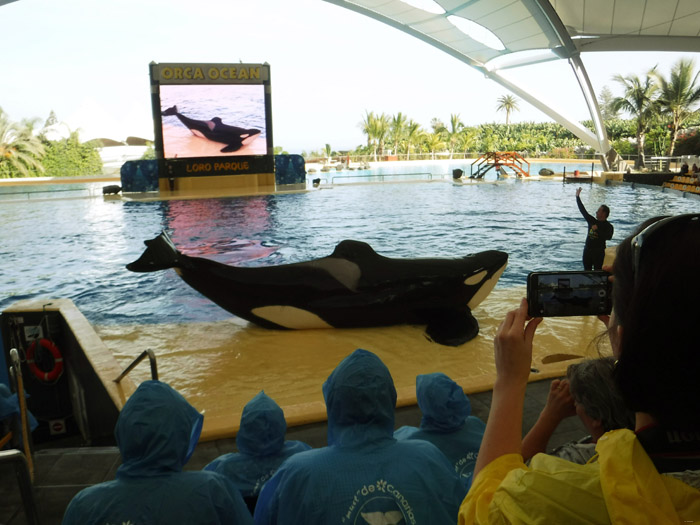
16 447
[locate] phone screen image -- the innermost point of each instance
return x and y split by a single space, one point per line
562 294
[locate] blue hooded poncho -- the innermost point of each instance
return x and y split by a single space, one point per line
9 407
261 446
364 475
446 422
157 432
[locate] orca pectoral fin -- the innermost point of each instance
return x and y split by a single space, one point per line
231 147
451 327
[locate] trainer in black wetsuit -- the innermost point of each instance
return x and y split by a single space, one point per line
599 231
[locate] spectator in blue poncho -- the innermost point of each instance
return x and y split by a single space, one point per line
9 408
157 432
447 422
262 448
364 475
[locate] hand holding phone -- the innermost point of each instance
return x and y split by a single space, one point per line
564 294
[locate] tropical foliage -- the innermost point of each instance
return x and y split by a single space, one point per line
661 115
507 103
663 119
69 158
25 151
638 100
20 150
678 96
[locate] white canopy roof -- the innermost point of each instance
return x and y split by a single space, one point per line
560 26
492 35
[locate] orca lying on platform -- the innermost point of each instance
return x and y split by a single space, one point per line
215 130
353 287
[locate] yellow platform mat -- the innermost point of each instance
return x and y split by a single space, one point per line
219 366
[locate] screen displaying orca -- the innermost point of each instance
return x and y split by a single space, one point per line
353 287
214 130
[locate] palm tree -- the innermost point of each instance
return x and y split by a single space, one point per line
507 103
434 142
328 152
679 95
468 139
413 131
381 131
397 130
453 132
369 128
638 100
20 150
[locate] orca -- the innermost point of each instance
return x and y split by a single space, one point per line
351 288
214 130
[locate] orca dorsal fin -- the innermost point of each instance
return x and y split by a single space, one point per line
353 250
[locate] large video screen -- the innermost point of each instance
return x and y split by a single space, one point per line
208 111
213 120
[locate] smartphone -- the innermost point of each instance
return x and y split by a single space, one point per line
564 294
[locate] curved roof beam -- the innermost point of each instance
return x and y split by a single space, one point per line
534 31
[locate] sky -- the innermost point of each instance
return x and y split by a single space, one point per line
88 61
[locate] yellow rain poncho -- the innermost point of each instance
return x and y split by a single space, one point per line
620 485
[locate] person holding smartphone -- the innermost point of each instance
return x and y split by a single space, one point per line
599 231
648 475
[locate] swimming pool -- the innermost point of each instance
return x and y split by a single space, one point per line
78 248
434 170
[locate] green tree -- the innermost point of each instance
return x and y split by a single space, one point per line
434 143
679 95
639 102
150 153
437 125
507 103
382 125
397 130
51 120
70 158
376 128
328 153
469 140
413 132
20 150
453 132
605 103
367 127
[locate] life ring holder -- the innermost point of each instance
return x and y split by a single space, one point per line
57 370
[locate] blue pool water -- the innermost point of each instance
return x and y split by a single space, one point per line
438 169
78 248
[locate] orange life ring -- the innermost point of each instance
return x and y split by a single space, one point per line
56 371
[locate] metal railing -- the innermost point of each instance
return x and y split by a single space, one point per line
151 357
22 463
381 177
24 430
24 481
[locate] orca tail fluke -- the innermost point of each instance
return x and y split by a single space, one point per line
160 254
170 111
